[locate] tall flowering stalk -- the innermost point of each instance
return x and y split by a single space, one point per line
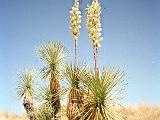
72 71
75 21
94 28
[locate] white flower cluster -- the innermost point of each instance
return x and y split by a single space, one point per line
75 20
94 24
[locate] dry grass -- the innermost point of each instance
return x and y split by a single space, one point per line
9 116
143 112
140 112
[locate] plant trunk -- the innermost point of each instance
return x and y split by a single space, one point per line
54 89
74 104
28 105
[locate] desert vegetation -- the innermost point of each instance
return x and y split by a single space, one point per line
9 116
139 112
143 112
92 93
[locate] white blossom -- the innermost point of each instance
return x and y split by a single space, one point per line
94 23
75 20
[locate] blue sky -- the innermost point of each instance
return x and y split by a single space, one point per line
131 42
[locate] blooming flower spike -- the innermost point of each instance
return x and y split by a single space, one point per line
94 23
75 20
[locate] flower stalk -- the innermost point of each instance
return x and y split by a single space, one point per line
95 62
75 21
94 28
75 52
73 98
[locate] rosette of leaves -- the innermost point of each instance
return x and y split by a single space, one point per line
103 95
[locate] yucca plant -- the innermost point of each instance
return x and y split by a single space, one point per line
45 108
75 94
53 55
74 97
100 101
25 90
94 28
